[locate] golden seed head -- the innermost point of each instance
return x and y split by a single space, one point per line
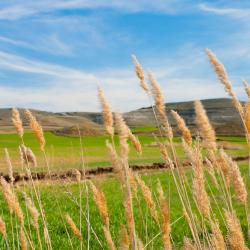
106 112
204 126
33 211
165 220
101 203
23 240
140 73
73 226
27 155
183 127
10 167
236 237
17 122
11 200
3 228
37 129
147 194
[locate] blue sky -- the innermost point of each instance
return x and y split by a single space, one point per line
53 54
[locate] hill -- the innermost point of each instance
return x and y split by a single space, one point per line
221 113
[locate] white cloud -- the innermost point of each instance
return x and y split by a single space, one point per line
232 12
16 10
68 89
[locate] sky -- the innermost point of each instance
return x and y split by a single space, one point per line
54 54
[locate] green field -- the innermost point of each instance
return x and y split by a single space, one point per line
60 201
65 152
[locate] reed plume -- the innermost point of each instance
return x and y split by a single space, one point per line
247 88
188 245
127 203
140 245
223 77
135 142
37 129
124 239
237 180
122 130
199 191
159 104
11 200
10 167
27 155
204 126
223 162
217 237
235 237
23 240
73 226
140 73
211 171
164 152
46 235
32 210
101 203
17 122
108 237
247 117
3 230
147 194
78 175
182 127
116 163
106 112
165 223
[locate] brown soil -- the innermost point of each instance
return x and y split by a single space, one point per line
89 173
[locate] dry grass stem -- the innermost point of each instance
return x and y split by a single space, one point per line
37 129
73 226
33 211
140 73
124 239
3 228
11 200
10 167
109 239
165 223
101 203
223 77
106 112
160 104
188 245
204 126
235 237
136 143
217 237
183 127
247 88
27 155
247 117
123 133
23 240
78 175
147 194
17 122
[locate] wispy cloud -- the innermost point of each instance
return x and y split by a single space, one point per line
14 10
231 12
18 63
68 89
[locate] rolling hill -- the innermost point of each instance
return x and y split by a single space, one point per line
221 113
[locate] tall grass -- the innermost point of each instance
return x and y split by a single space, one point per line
195 194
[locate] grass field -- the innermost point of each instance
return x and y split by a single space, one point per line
59 202
65 152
